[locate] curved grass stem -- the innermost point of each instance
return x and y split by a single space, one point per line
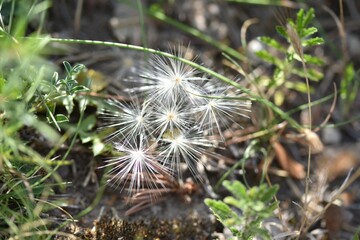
206 70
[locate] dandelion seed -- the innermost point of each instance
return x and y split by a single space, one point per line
217 111
129 120
169 116
138 167
165 78
184 146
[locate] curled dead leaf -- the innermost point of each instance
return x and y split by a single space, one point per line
287 163
338 163
313 140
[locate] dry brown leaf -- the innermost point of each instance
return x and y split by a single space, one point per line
313 140
287 163
338 163
347 198
335 217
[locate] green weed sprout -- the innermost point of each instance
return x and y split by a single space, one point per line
255 205
299 35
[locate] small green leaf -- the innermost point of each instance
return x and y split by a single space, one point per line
98 146
60 118
221 210
68 67
77 68
282 31
312 74
88 123
312 42
312 60
236 188
68 103
78 88
266 56
297 86
234 202
55 79
82 104
310 15
269 193
272 43
299 20
308 31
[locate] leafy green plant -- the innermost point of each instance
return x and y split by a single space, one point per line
349 88
28 178
255 205
298 34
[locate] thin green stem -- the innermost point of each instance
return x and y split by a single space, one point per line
264 101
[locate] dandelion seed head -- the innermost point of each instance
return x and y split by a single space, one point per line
137 156
170 128
137 168
178 80
128 119
218 109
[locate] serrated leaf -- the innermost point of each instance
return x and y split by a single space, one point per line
310 14
266 56
221 210
272 43
236 188
349 88
299 20
298 86
312 60
270 193
312 42
308 31
234 202
312 74
258 206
